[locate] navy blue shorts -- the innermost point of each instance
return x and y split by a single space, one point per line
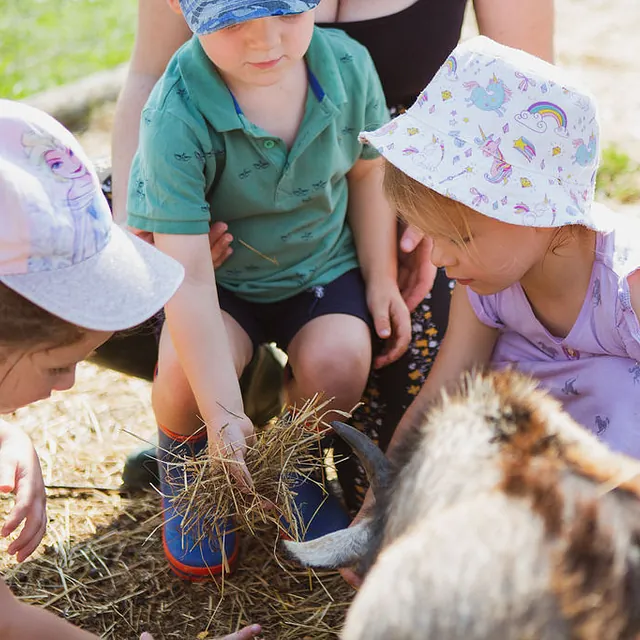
279 321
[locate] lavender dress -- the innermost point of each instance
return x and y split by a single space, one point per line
595 370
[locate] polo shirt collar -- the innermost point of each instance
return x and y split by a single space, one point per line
212 97
206 88
323 64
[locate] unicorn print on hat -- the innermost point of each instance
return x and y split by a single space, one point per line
491 98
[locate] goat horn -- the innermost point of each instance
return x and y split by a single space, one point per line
373 460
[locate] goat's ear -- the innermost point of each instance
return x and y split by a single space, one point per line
344 548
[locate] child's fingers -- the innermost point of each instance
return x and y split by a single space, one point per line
241 473
30 536
19 512
351 577
381 321
401 335
244 634
219 241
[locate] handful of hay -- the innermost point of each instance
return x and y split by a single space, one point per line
284 453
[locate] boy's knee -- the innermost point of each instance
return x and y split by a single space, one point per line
339 358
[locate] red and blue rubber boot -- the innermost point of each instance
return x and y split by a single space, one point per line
206 548
319 512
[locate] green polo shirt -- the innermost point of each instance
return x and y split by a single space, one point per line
200 160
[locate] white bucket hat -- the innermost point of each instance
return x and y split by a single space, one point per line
503 132
58 245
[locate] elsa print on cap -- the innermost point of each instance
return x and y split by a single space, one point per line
503 132
59 247
77 192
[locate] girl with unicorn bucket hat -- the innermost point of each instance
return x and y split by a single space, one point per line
496 161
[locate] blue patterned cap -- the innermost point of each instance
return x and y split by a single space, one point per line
207 16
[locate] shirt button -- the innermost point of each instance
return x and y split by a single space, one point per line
269 144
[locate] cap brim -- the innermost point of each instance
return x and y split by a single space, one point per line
118 288
241 11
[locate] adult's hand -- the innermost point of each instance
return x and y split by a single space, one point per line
220 241
349 574
416 272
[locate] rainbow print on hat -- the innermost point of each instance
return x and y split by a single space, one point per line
503 132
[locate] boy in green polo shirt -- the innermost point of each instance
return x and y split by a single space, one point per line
255 123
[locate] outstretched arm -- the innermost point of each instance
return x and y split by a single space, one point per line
201 342
525 24
373 222
19 621
159 34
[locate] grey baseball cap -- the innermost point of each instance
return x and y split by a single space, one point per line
59 247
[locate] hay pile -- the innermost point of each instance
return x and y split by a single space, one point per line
103 567
117 584
285 452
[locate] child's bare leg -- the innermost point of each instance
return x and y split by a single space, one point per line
331 354
173 401
190 554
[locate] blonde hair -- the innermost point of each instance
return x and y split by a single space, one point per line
424 208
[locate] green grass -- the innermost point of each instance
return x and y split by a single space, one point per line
618 176
44 43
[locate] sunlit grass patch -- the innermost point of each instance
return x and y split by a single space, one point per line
619 176
45 43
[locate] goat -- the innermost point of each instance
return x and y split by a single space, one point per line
499 518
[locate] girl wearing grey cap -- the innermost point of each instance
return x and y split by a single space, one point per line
54 256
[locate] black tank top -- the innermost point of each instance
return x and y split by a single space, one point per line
408 47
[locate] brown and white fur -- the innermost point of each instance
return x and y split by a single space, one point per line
501 519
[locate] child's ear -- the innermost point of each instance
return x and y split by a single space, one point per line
175 6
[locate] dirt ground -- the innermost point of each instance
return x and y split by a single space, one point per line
83 436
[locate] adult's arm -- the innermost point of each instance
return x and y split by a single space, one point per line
523 24
159 34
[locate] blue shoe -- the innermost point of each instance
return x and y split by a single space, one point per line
319 512
192 555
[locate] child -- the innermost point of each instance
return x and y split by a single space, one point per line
62 264
496 161
255 123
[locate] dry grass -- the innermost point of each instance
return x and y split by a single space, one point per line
282 455
101 564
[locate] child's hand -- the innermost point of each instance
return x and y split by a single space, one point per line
21 475
245 633
391 319
231 444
